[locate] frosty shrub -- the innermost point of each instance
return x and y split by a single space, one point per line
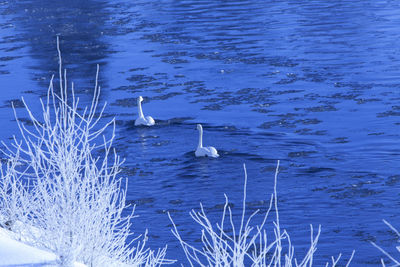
394 261
248 245
67 199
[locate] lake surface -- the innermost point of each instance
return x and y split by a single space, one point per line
315 84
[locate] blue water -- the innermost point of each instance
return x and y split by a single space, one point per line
315 84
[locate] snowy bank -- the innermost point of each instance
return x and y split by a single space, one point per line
16 253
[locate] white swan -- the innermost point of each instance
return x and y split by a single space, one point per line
201 151
142 120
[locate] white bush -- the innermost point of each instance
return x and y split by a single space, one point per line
68 200
248 245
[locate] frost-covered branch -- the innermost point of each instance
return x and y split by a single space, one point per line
249 245
395 262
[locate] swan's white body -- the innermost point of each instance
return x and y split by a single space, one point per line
142 120
201 151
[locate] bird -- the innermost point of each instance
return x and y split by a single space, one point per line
201 151
142 120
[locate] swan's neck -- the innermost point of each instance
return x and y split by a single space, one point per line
140 111
200 139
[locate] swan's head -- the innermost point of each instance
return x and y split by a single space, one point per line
199 127
140 99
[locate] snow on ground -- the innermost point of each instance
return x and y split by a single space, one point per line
15 253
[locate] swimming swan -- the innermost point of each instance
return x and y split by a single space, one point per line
142 120
201 151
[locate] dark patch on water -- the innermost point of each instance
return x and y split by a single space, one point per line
340 140
176 201
366 237
278 123
318 170
364 100
24 121
16 103
307 131
127 102
141 201
301 154
393 180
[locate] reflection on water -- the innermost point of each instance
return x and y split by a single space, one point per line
315 84
34 25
